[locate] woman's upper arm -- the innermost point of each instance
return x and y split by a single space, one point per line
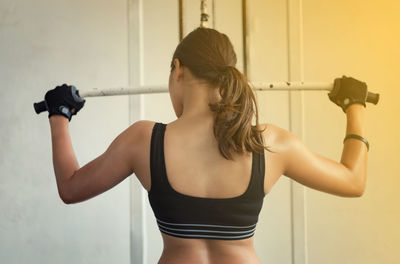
314 170
108 169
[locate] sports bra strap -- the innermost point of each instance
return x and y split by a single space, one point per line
156 155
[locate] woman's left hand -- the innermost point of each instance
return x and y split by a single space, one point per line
64 100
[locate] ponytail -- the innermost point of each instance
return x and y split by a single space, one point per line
234 113
203 51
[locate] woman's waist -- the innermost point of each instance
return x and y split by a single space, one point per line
208 251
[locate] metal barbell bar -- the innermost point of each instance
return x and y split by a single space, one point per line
256 86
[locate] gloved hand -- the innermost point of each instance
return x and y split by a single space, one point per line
347 91
63 100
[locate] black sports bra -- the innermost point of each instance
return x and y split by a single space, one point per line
187 216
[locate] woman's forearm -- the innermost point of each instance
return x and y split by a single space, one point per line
64 160
354 155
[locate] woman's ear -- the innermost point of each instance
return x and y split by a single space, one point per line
178 69
172 66
177 63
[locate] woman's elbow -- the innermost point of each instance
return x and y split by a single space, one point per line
64 196
360 189
65 199
361 192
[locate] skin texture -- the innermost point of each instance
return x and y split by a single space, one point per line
205 173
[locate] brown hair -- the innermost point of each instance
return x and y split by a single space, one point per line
209 55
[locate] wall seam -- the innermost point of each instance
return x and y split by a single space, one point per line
138 229
296 126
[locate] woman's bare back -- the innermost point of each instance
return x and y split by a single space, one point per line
196 168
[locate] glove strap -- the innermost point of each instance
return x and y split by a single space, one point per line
62 110
65 111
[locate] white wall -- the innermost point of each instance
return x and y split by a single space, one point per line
85 43
359 39
43 44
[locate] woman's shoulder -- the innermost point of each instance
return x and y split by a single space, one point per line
274 135
141 126
139 144
140 131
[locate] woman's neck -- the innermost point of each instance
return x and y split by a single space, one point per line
197 97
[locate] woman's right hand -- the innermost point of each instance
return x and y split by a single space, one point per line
347 91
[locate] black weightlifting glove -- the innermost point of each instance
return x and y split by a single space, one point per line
62 100
347 91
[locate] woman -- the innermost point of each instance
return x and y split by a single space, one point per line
207 173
